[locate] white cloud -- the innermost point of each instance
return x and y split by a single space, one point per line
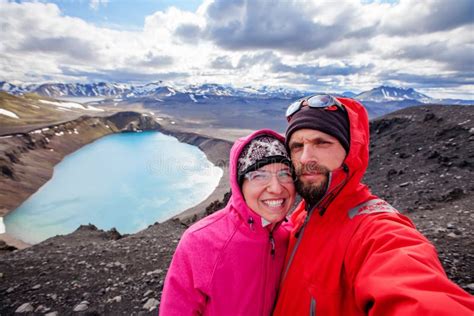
304 44
95 4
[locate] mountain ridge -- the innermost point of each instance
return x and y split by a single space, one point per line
202 92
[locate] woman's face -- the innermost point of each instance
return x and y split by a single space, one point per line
270 191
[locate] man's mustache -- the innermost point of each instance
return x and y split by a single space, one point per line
311 167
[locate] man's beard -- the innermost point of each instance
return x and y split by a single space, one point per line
312 193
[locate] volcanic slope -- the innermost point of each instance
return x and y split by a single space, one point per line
422 162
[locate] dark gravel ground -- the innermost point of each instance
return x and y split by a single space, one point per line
91 272
422 162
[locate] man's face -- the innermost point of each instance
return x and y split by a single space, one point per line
314 155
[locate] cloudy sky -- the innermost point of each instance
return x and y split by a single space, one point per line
343 45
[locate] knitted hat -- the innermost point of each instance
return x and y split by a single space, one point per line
261 151
333 121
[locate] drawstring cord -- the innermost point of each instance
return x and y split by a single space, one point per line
250 221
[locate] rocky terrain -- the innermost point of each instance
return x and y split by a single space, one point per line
422 162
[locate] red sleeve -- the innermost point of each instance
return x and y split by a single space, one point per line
395 270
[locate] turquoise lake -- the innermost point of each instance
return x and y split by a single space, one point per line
127 181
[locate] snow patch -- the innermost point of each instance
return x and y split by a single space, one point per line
2 226
9 113
69 105
191 96
93 108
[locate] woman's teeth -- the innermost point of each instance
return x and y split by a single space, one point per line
274 203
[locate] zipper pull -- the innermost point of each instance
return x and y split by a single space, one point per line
250 221
272 242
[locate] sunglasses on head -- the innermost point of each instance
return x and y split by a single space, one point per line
315 101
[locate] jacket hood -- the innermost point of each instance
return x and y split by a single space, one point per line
357 159
237 200
345 189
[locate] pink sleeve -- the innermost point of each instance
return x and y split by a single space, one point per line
181 294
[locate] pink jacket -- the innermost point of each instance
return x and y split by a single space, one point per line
227 263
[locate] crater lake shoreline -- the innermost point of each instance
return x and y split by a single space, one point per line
30 153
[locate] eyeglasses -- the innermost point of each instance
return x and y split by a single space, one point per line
262 177
315 101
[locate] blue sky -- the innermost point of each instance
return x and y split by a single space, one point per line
122 14
348 45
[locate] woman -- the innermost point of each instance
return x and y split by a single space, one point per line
230 262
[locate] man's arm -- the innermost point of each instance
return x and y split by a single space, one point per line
395 270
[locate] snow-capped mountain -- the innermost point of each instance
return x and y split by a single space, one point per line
209 89
266 92
12 88
67 90
205 93
349 94
81 90
386 93
278 92
155 89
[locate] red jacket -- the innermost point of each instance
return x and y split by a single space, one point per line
354 254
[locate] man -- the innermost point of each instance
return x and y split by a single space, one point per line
350 252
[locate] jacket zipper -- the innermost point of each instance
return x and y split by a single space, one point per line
322 204
272 243
312 307
300 235
267 268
